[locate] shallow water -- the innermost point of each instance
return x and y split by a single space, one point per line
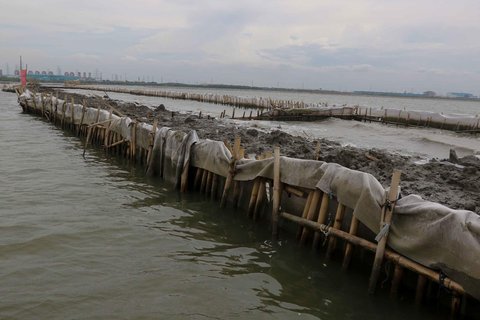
423 142
94 239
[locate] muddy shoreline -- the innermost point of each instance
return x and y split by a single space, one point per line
452 182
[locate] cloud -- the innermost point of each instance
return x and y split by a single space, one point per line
434 41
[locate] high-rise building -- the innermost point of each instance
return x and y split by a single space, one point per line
1 73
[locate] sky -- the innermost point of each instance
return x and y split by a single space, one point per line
376 45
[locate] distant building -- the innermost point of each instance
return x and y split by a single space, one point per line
89 75
17 73
464 95
50 73
1 73
66 74
72 74
37 72
44 73
79 74
84 74
429 94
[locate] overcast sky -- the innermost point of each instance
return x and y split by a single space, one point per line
382 45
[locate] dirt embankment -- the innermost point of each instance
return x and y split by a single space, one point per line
456 185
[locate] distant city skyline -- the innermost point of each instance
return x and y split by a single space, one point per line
394 45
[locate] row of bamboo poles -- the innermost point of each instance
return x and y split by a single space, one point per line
406 121
272 104
315 225
234 101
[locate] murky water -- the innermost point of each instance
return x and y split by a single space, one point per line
94 239
423 142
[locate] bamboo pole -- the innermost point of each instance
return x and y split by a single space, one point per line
389 254
277 191
289 189
73 115
311 214
322 217
150 154
198 177
208 187
236 193
420 290
231 172
84 109
305 212
253 197
385 222
455 305
396 280
259 200
332 242
349 247
204 181
134 142
213 191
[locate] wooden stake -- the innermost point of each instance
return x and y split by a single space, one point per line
387 213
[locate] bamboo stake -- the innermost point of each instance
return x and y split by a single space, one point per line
420 291
455 305
277 191
311 214
150 153
259 200
213 191
208 187
322 217
349 247
204 181
253 197
385 222
389 254
84 109
231 173
134 141
332 242
73 114
305 212
236 193
396 281
198 176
